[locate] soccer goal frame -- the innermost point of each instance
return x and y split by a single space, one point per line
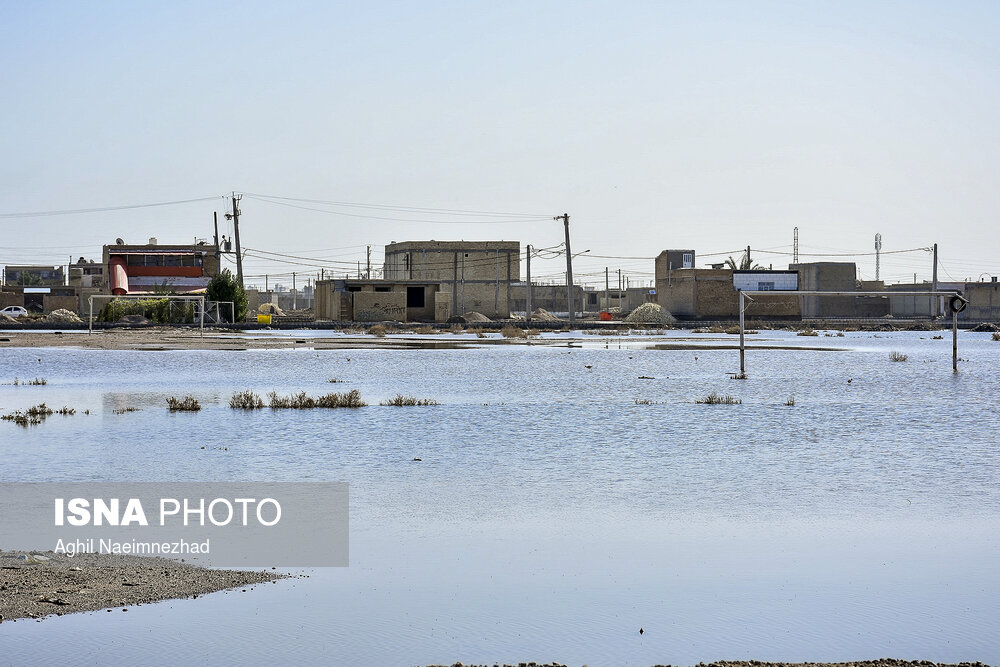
137 297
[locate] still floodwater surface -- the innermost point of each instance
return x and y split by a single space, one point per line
554 511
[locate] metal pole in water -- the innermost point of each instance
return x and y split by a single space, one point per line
90 327
954 340
743 368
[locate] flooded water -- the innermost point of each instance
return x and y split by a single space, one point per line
568 493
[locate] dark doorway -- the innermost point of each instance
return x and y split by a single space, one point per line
415 297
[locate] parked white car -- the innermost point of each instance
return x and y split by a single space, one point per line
15 311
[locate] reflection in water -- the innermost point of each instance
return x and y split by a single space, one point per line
551 515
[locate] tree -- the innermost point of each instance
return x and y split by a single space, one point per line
224 286
746 264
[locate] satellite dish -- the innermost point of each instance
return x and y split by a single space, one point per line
119 242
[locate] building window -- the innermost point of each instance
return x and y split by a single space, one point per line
383 289
765 287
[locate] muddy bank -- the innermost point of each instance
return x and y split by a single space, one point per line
884 662
32 587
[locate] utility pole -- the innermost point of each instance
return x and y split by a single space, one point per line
527 290
569 270
619 292
236 233
607 291
215 216
795 246
293 291
749 263
878 253
934 284
368 265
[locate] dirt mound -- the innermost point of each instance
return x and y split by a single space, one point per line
63 316
473 316
7 319
985 326
270 309
650 313
542 315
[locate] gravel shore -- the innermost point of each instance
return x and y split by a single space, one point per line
883 662
39 584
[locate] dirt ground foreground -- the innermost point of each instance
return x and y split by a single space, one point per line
39 584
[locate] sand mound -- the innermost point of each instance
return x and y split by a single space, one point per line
270 309
64 316
473 316
543 315
985 326
650 313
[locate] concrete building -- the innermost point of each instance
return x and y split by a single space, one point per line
34 276
40 299
87 274
349 300
711 294
477 274
141 269
984 302
547 297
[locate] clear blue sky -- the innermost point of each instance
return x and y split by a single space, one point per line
709 125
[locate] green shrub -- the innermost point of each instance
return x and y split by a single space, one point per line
224 286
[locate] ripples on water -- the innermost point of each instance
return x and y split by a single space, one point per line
551 515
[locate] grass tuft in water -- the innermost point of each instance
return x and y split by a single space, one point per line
715 399
377 330
790 402
897 356
350 399
406 401
510 331
246 400
187 404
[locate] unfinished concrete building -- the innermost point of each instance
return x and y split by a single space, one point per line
478 274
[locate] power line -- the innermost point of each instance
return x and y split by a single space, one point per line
408 209
379 217
103 209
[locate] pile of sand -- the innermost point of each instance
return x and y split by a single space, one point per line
270 309
650 313
63 316
542 315
474 316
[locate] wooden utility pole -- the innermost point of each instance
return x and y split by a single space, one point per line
934 284
293 291
569 270
215 216
368 265
619 291
607 291
527 289
236 233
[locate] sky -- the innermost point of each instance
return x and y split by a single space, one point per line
708 125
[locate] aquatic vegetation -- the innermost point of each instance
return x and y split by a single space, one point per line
791 401
246 400
377 330
897 356
121 411
996 335
334 381
299 401
807 332
37 382
404 401
715 399
35 415
426 330
350 399
187 404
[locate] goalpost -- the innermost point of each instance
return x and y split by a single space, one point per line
137 297
956 303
